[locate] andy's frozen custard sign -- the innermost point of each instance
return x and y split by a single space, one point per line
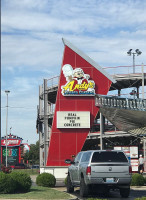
78 82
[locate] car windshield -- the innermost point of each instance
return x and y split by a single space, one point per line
109 157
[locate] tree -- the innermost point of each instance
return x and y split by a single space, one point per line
33 155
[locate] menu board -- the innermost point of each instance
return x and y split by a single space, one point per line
133 152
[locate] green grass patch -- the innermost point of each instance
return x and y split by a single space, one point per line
28 171
38 192
141 198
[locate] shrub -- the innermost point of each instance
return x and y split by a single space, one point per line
7 184
46 180
137 180
22 181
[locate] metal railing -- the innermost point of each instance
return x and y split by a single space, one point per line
124 103
51 82
125 69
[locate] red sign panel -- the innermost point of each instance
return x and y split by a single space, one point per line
11 142
80 79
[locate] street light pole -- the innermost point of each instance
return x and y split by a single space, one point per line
133 63
7 92
137 52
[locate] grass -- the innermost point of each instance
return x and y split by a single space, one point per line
28 171
38 192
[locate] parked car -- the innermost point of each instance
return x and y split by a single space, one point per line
101 170
20 166
35 167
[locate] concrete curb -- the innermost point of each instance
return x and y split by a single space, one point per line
62 189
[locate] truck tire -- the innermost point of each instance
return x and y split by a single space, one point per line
124 192
69 185
84 189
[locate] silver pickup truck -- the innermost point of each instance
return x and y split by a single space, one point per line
99 170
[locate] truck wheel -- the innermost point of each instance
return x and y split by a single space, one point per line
83 188
124 192
69 185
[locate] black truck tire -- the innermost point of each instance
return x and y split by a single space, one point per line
124 192
84 189
70 188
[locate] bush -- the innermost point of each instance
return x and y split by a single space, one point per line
7 184
22 181
46 180
137 180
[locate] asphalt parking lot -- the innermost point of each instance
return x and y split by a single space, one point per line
113 195
136 191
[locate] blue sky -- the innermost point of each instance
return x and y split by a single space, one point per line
32 47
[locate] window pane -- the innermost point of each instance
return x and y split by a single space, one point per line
109 157
86 157
78 157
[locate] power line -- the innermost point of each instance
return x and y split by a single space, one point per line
19 107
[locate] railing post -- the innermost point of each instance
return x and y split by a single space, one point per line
102 119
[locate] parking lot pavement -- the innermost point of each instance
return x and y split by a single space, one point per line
135 192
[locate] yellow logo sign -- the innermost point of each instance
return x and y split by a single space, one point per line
78 83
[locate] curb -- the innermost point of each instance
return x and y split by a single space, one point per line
73 197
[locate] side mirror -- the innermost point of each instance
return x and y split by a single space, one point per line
68 161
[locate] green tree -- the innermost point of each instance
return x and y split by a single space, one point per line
33 155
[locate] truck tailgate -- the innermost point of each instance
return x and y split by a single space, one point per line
112 169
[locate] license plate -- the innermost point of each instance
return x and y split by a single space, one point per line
109 180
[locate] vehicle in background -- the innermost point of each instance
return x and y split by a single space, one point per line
35 167
20 166
99 169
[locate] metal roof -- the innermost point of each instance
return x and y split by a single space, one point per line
127 80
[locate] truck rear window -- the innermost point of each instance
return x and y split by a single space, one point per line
109 156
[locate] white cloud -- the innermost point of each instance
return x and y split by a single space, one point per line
32 48
73 16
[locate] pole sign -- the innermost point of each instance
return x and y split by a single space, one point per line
75 111
12 155
73 119
11 142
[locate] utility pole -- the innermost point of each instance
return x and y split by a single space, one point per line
45 121
7 92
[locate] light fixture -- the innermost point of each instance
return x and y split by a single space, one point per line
138 52
129 52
